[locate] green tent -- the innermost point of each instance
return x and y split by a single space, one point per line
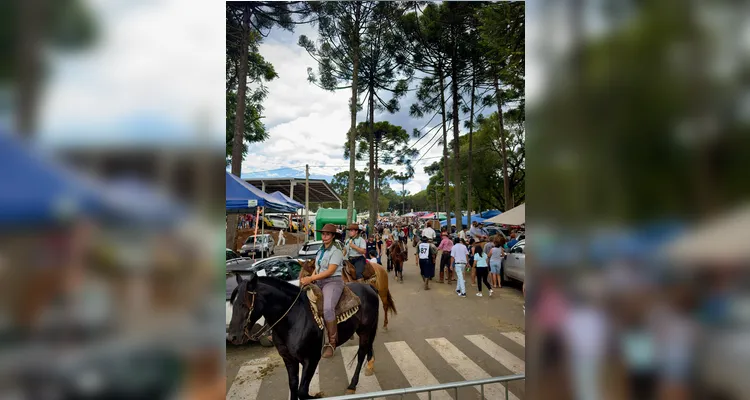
336 216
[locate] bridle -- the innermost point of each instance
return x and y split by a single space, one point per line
263 331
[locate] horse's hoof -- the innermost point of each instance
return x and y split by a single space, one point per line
351 391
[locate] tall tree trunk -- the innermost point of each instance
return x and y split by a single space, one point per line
377 173
446 168
471 137
456 155
371 147
31 24
239 118
501 131
353 125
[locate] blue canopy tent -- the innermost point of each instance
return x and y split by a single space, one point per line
490 214
143 204
242 197
464 220
39 191
287 200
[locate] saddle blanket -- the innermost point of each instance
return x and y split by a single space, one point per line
347 306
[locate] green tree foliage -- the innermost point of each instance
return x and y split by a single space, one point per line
340 184
341 30
247 23
259 71
383 70
27 30
425 29
502 38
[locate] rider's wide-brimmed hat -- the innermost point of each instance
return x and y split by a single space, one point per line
330 228
353 227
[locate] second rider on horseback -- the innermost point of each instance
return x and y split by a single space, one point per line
355 249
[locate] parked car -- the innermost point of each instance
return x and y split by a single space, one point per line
231 255
278 221
258 244
309 249
514 266
493 230
282 267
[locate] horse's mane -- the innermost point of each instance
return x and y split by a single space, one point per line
276 283
284 286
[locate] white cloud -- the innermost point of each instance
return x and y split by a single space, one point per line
160 57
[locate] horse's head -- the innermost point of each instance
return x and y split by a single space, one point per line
348 271
247 308
308 268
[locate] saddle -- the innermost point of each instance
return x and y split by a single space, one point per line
347 306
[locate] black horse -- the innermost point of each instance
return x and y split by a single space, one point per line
295 333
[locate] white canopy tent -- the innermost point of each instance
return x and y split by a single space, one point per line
514 216
721 240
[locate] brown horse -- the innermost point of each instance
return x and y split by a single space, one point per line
349 273
396 254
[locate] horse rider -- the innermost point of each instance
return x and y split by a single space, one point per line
329 261
355 250
427 255
477 233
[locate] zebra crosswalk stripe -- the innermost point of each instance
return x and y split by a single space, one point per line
468 369
247 383
504 357
414 370
367 384
517 337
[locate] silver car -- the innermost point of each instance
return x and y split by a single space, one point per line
514 266
309 249
262 245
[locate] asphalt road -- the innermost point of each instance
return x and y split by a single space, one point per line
437 337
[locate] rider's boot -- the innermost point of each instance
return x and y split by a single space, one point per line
332 330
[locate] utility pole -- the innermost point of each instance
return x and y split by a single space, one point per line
437 205
307 201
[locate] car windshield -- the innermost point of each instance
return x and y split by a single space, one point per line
259 239
313 246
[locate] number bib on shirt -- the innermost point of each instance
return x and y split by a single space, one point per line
424 251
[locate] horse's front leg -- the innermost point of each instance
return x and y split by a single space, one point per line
292 370
308 371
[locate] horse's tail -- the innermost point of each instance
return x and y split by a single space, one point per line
391 304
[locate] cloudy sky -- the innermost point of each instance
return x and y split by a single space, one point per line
308 125
156 75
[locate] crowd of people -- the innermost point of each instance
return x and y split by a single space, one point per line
469 250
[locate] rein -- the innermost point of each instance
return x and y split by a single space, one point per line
266 328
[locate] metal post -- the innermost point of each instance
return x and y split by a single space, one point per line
262 228
307 201
506 390
481 390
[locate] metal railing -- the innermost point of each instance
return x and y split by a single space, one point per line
434 388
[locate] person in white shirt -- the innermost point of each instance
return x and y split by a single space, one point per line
282 239
459 258
429 233
462 233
